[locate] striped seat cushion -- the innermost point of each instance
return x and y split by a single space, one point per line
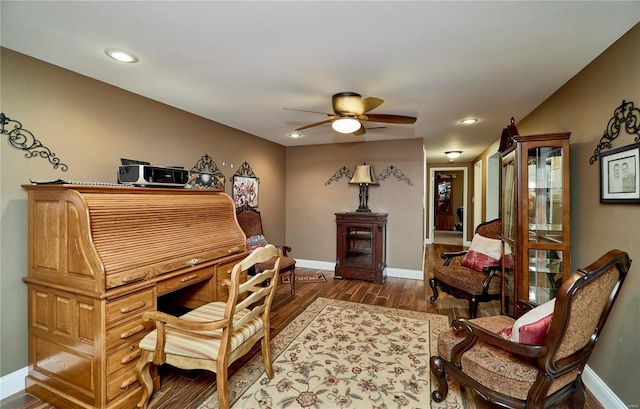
200 344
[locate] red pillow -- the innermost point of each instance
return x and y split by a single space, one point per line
532 327
483 252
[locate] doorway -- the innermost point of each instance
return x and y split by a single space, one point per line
459 215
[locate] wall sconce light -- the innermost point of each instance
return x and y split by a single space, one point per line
364 176
453 154
346 125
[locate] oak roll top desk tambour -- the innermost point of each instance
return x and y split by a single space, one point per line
98 258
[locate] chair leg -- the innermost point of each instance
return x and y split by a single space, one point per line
437 369
473 307
222 384
578 398
266 356
432 284
292 278
143 373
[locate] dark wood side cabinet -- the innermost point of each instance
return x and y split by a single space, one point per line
361 246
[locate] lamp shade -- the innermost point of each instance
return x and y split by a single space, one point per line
364 174
346 125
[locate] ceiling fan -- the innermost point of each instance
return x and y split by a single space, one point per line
350 109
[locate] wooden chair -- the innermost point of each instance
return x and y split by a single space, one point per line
215 335
516 375
465 282
250 222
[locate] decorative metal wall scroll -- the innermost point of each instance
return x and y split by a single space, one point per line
343 172
24 140
395 172
205 174
625 114
245 187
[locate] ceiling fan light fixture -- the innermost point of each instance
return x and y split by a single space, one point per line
121 55
346 125
295 135
453 154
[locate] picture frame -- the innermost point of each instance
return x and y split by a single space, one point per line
619 179
245 192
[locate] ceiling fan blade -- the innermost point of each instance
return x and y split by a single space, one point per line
305 110
371 103
360 131
347 103
390 119
315 124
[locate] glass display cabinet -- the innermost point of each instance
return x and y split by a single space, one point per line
361 246
535 218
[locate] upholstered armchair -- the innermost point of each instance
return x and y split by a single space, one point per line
538 360
215 335
477 277
250 222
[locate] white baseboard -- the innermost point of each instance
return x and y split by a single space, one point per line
601 391
391 272
12 383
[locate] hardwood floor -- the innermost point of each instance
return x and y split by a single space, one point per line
186 389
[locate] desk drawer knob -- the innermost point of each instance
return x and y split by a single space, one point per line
132 331
133 307
188 278
125 360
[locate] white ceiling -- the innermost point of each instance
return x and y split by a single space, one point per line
241 62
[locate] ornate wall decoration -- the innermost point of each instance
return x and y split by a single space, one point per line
395 172
626 114
205 174
343 172
22 139
245 187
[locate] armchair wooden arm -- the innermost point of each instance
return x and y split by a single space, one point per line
475 332
447 257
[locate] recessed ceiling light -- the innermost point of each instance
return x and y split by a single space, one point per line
121 55
469 121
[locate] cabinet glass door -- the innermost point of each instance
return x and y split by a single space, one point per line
545 233
359 248
508 233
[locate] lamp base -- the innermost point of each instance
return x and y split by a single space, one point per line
363 210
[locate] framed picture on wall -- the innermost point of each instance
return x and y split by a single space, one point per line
619 182
245 192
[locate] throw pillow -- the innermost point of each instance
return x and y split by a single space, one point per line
532 327
254 242
483 252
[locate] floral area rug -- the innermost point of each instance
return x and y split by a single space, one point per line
339 354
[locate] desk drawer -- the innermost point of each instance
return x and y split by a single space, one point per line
184 280
122 382
129 332
123 357
223 271
130 305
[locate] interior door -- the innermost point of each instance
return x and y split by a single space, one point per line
444 203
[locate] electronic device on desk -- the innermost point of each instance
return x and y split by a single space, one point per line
139 173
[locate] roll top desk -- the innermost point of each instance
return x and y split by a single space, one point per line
98 258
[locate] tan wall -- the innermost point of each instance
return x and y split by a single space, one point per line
90 125
584 107
311 203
